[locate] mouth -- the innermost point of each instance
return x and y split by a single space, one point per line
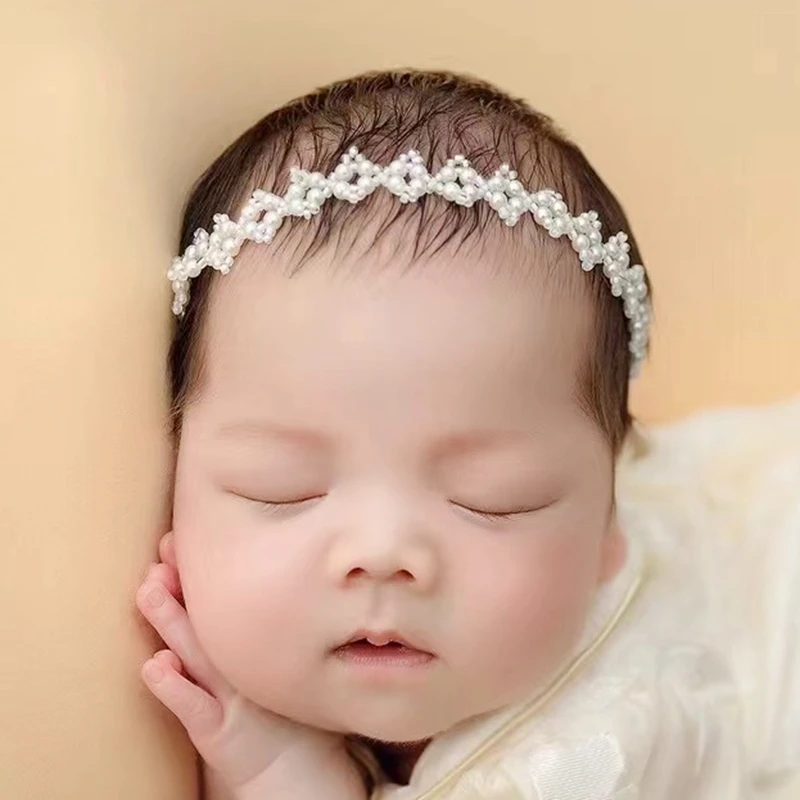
382 648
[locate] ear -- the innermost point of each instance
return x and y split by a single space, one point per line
613 551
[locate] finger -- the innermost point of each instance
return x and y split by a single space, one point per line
200 713
167 575
172 624
166 549
169 660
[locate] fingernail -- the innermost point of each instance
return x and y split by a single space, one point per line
156 597
153 672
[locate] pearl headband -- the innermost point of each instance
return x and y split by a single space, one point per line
408 179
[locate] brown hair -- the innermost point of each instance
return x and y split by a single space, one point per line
439 114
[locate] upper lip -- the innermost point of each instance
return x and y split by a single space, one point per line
384 636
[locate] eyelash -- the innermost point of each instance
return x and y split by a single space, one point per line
496 516
270 507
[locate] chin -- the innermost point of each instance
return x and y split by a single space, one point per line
396 728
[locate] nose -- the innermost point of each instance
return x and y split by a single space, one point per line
385 546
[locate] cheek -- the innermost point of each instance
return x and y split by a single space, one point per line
241 602
240 585
230 561
528 604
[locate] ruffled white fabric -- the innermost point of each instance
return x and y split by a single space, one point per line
693 693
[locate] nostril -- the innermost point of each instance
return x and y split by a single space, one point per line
356 572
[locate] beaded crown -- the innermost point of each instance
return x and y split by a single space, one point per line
356 177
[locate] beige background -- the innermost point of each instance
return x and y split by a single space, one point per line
690 109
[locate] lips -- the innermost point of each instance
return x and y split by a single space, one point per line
388 640
383 656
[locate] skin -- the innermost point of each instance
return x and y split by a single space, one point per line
381 408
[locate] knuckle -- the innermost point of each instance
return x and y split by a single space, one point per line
141 594
198 708
202 717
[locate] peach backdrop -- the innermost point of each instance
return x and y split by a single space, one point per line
690 110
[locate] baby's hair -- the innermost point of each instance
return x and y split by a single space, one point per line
439 114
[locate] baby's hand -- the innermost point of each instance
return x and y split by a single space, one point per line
256 753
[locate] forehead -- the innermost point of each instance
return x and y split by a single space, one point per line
449 331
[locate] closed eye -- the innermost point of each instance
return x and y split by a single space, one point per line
279 507
496 516
286 507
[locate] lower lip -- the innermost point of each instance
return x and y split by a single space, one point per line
387 657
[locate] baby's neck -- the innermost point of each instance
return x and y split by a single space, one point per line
398 759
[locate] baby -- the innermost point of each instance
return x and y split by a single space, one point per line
396 567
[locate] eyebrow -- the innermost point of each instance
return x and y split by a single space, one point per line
452 444
253 430
468 441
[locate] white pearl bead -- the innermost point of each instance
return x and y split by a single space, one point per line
497 200
451 190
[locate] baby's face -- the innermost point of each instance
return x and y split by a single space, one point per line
330 481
